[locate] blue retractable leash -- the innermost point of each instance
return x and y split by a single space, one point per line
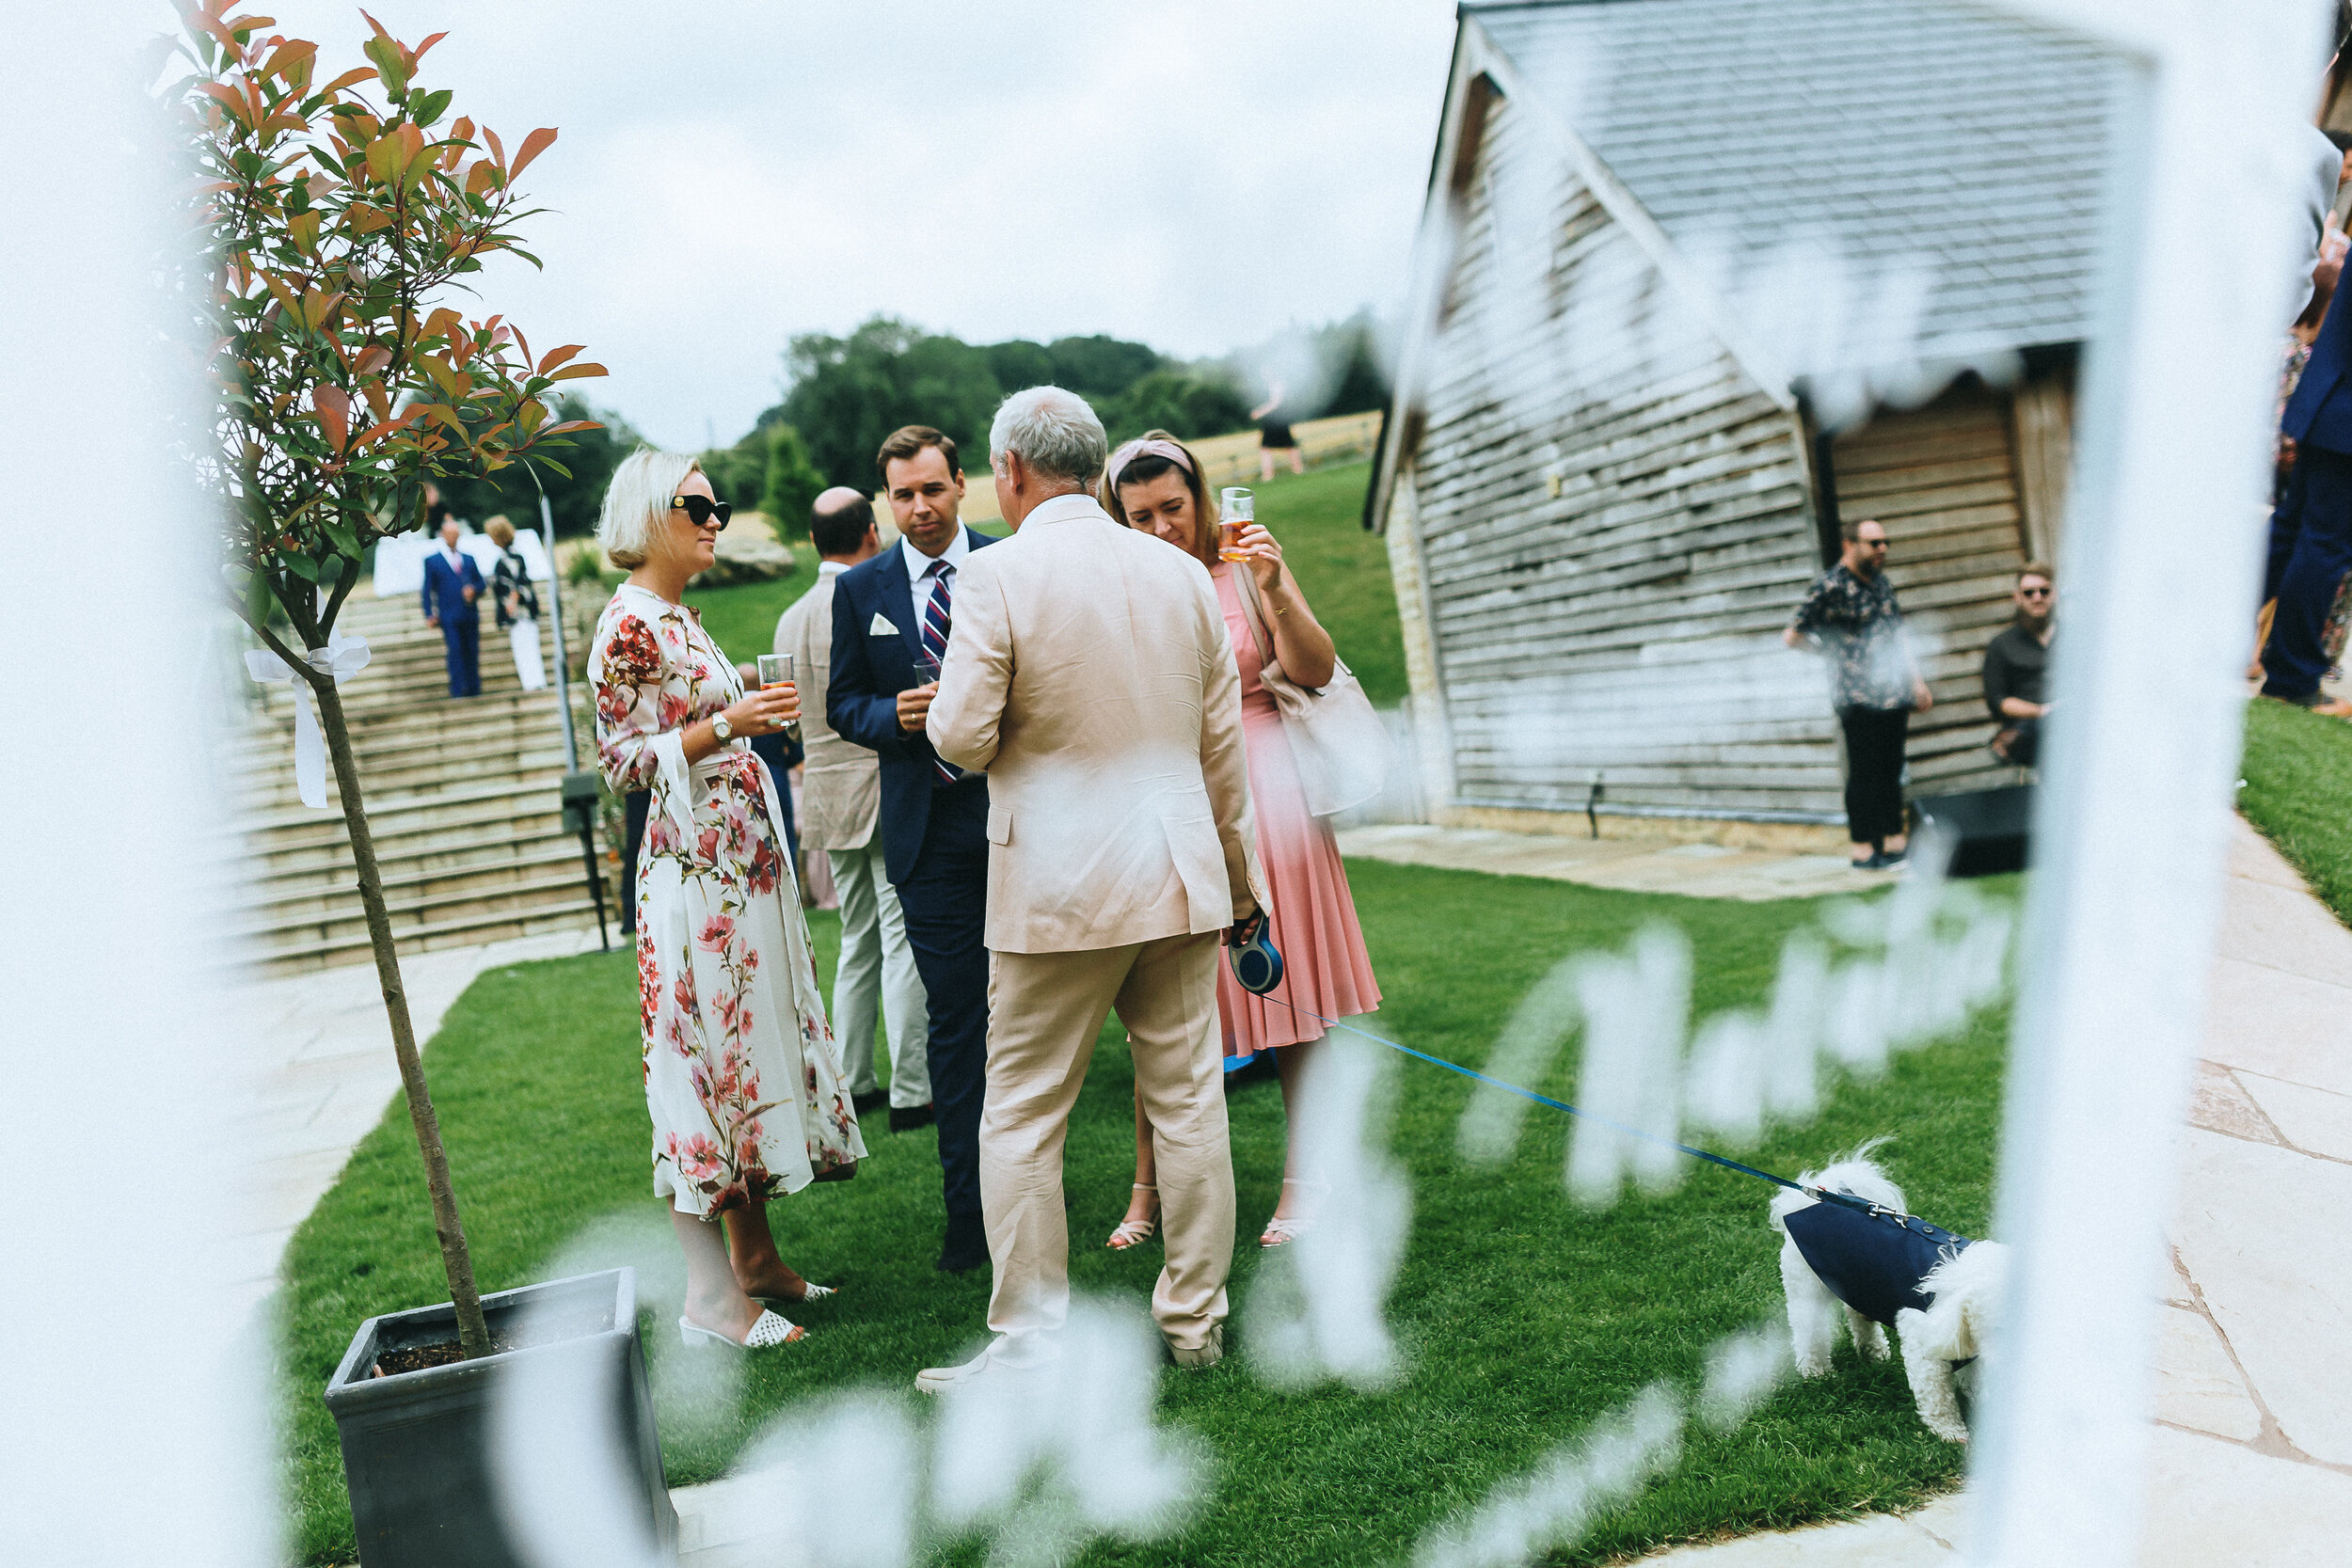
1258 966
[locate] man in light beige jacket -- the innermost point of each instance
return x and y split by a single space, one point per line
840 803
1091 676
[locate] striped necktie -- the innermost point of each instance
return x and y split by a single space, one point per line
936 622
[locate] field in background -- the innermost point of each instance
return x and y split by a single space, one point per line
1317 518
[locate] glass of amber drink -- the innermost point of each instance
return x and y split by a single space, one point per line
1237 509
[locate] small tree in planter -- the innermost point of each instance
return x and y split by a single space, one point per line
331 226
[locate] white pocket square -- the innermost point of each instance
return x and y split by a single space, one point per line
881 626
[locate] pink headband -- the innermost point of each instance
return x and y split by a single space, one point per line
1139 447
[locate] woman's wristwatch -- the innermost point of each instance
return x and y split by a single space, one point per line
720 727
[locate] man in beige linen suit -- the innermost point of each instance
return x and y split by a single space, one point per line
840 800
1091 676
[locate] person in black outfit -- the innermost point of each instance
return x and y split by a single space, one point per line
1850 614
2013 667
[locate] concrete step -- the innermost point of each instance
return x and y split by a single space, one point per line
491 844
416 907
461 930
414 772
462 805
334 891
394 822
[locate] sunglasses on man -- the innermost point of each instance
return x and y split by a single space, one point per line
701 509
2033 592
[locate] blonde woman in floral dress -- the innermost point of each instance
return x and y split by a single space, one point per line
742 1075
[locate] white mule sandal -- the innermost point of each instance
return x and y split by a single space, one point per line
769 1329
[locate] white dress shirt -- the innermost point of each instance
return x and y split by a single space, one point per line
919 564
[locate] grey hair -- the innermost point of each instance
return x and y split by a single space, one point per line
1055 432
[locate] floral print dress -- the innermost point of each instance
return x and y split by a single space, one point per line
742 1074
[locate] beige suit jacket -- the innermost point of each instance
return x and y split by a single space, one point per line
840 783
1088 672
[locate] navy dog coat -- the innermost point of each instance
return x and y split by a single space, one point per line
1871 1259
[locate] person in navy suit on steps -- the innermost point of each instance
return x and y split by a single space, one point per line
451 584
892 616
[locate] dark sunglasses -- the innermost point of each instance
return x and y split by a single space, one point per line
2033 592
702 509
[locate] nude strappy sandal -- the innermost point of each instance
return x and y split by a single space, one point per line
1132 1232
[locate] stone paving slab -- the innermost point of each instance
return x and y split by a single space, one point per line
1624 864
2253 1460
323 1073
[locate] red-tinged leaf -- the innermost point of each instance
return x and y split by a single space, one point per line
229 98
442 322
573 373
462 128
333 416
366 219
303 230
498 153
523 343
287 57
378 403
534 143
371 358
418 54
349 78
214 188
569 425
373 22
558 356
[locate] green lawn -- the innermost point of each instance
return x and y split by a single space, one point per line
1316 517
1524 1318
2298 792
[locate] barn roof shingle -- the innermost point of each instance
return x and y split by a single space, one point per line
1895 131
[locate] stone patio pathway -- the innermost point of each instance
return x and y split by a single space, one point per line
1627 864
324 1071
2252 1465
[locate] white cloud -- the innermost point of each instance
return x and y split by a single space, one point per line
1196 175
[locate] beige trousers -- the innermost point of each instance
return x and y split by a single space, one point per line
1044 1010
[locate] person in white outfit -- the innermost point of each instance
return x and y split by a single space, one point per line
517 605
841 799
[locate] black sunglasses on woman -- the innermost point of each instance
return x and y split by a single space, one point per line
702 507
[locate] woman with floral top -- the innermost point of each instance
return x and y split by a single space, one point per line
742 1075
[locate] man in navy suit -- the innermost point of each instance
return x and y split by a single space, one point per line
451 583
892 616
2311 530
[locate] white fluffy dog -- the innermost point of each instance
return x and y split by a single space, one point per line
1963 1294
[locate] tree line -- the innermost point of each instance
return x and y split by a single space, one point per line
847 393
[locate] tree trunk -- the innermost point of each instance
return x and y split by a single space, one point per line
473 1336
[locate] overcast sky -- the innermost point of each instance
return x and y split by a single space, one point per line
1195 175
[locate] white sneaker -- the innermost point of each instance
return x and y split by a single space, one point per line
941 1380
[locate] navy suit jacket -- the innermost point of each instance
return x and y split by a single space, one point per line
869 669
2320 412
442 588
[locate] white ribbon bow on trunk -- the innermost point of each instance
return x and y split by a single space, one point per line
342 658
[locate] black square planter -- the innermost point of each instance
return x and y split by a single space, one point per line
417 1445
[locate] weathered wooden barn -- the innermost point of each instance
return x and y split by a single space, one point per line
1698 278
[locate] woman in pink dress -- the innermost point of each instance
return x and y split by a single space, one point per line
1155 483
